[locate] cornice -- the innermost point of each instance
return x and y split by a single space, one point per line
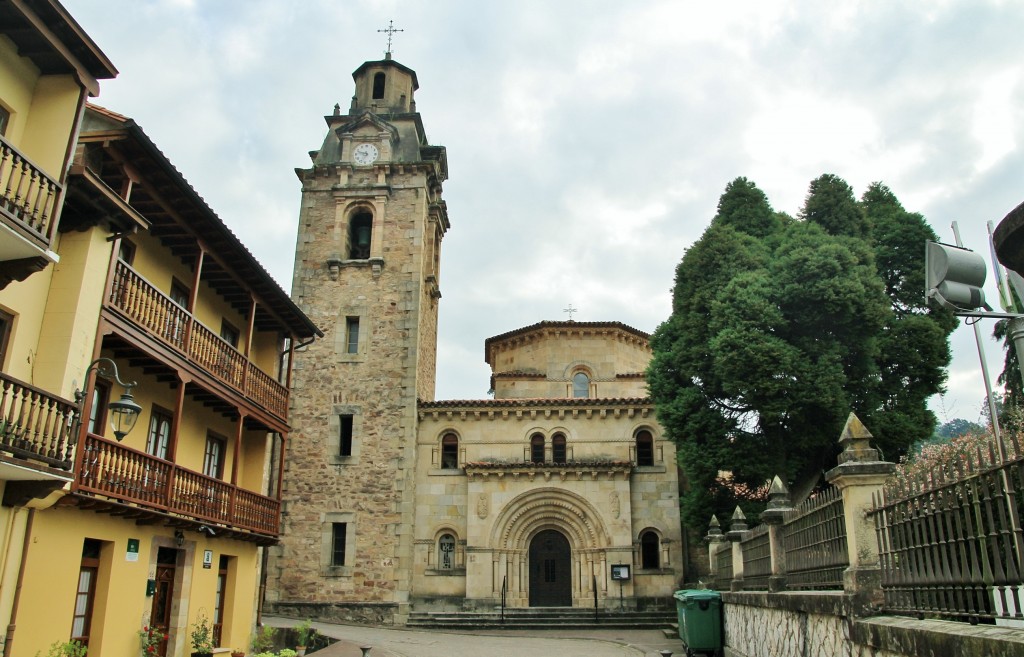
530 472
532 409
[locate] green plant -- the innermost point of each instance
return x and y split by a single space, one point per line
287 652
151 638
202 635
303 633
263 640
66 649
265 653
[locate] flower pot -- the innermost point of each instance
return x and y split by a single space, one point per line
300 650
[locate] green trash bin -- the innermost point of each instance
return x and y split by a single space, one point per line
700 621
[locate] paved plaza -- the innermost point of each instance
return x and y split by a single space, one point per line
392 642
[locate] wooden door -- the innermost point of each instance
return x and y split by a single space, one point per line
163 597
550 570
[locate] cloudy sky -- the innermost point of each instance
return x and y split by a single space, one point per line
588 142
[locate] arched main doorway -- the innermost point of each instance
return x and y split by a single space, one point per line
550 570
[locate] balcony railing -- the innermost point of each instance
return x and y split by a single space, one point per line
28 196
115 471
144 304
35 424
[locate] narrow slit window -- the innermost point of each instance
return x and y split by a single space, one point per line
339 536
352 335
345 447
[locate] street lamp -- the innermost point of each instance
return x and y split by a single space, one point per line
123 412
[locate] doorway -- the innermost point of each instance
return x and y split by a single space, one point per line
550 570
163 596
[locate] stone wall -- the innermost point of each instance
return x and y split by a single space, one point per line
821 624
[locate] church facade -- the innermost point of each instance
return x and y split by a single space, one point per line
558 491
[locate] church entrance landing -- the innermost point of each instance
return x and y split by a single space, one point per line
550 570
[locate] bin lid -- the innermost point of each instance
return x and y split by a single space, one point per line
697 594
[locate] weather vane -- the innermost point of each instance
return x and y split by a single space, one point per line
570 310
390 32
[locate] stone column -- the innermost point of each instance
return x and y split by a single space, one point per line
737 532
714 539
858 476
773 516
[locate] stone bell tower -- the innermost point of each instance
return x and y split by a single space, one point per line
367 272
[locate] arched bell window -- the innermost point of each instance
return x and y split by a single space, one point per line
650 549
644 448
580 385
558 450
378 85
450 452
537 448
359 235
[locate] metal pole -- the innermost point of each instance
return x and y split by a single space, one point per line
993 415
1010 495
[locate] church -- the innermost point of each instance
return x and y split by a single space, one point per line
559 491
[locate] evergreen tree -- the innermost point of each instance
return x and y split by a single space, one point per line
780 328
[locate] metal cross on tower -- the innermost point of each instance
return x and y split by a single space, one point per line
390 32
570 310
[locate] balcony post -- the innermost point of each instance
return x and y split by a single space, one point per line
859 475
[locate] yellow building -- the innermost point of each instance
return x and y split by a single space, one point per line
163 526
48 68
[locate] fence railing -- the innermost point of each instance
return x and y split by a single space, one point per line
757 559
155 312
944 542
28 196
35 424
950 542
115 471
814 535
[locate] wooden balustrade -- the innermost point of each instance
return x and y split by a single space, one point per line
27 194
35 424
145 305
127 475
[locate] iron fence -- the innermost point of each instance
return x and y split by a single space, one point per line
950 541
757 559
814 536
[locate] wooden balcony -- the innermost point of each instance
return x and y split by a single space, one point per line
36 425
146 306
28 200
135 478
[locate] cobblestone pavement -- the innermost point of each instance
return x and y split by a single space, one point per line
391 642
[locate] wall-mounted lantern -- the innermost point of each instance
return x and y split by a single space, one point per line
124 412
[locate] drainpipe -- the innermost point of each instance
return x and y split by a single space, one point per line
9 639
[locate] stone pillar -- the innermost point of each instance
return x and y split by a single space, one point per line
858 476
773 516
737 532
714 539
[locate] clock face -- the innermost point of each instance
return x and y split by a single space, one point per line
365 154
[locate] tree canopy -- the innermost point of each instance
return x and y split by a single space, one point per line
781 327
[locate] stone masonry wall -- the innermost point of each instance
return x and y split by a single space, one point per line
819 624
373 490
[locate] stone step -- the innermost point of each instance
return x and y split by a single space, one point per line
543 618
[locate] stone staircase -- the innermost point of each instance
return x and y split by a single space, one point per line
544 618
